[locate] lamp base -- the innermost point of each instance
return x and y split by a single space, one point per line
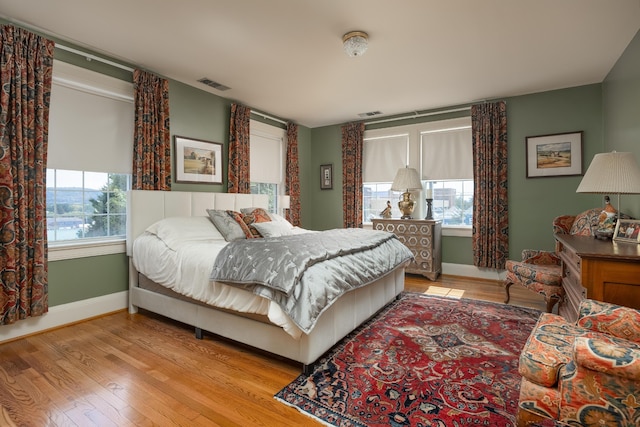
406 205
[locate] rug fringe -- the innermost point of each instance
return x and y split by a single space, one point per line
313 417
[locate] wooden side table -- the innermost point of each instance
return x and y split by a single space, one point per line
600 270
422 237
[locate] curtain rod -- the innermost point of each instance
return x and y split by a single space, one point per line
415 116
266 116
91 57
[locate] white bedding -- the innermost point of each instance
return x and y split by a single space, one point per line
179 253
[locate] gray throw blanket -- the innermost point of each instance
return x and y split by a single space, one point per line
279 262
305 273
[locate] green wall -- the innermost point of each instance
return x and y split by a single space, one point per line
621 112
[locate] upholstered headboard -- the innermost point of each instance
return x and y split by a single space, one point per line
144 207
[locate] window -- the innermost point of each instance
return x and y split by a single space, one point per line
267 161
91 123
86 205
441 151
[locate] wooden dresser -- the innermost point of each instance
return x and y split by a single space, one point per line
598 269
422 237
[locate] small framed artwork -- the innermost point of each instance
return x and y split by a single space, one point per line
554 155
326 177
627 230
197 160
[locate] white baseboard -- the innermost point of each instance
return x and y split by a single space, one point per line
466 270
64 314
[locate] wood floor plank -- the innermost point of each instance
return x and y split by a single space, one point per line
146 370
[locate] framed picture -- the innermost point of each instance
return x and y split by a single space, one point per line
627 230
326 177
197 160
554 155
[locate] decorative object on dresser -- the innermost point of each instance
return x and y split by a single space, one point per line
429 202
598 270
627 230
406 180
423 238
585 372
611 173
541 271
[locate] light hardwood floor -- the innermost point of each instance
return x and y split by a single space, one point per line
144 370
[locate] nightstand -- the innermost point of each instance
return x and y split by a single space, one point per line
422 237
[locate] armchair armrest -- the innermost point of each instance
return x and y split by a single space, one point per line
610 319
533 256
608 358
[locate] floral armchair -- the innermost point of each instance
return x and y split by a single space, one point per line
540 271
582 374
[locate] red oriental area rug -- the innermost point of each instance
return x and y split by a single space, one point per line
423 361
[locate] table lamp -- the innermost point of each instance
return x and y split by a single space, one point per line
611 173
406 180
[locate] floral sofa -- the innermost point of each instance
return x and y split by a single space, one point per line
582 374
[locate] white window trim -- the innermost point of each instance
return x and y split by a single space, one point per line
59 251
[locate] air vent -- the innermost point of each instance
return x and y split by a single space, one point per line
213 84
370 114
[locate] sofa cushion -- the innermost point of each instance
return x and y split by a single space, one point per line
622 322
549 348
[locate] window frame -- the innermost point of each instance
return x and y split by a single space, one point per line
415 159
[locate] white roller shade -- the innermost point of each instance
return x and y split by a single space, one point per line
382 157
447 154
91 121
266 153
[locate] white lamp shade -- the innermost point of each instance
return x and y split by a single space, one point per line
406 179
611 173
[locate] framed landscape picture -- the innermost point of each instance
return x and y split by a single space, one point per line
198 161
554 155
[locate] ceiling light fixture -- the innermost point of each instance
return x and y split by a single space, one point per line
355 43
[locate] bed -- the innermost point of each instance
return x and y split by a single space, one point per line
147 208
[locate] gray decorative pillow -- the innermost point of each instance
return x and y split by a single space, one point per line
226 225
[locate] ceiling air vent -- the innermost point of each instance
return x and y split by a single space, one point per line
370 114
213 84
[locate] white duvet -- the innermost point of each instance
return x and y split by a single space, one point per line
179 253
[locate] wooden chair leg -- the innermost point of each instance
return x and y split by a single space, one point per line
507 285
551 302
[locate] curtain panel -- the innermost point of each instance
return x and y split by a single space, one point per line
292 178
238 179
152 138
26 63
352 147
490 205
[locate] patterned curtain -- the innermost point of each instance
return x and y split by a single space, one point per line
238 179
490 207
152 139
26 62
352 144
292 179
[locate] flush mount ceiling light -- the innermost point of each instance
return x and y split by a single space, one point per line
355 43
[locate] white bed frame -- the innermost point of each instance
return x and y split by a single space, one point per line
351 310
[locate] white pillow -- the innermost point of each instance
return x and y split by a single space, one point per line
175 231
278 218
273 228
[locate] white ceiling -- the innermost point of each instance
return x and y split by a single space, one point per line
285 57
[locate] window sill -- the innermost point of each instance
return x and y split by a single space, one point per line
456 231
64 251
